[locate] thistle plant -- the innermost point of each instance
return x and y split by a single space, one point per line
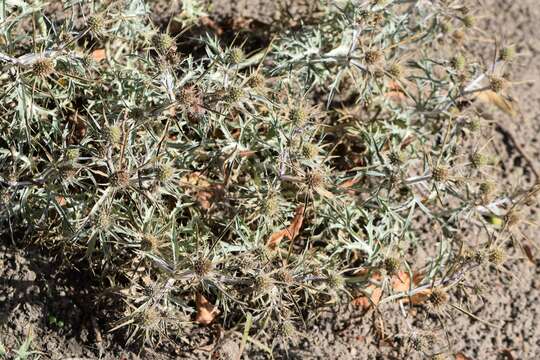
265 183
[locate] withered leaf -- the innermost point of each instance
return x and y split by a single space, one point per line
528 252
294 229
291 232
98 54
375 294
401 281
374 298
206 312
507 105
275 238
461 356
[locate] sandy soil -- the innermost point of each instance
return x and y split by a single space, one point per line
38 296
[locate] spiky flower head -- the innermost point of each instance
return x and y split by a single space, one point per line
440 173
469 21
187 96
113 134
203 266
95 24
507 53
372 57
478 159
316 177
43 67
284 276
164 43
298 115
234 95
395 70
119 179
256 80
419 343
72 154
335 280
150 242
497 256
310 151
438 298
165 172
486 188
67 171
103 220
392 265
271 205
496 84
287 329
150 318
236 55
458 62
262 284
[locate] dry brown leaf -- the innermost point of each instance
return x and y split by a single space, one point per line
374 298
461 356
375 293
206 312
508 354
401 281
208 22
291 232
323 192
246 153
418 277
407 141
204 192
294 229
60 200
204 199
420 297
505 104
275 239
241 23
396 93
98 54
348 183
362 301
528 252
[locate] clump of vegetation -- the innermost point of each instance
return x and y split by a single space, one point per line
251 188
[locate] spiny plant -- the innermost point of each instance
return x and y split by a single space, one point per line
261 185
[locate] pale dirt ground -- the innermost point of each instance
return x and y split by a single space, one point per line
512 303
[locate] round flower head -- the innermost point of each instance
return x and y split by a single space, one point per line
164 42
236 55
119 179
95 24
437 299
256 80
43 67
440 173
372 56
507 53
